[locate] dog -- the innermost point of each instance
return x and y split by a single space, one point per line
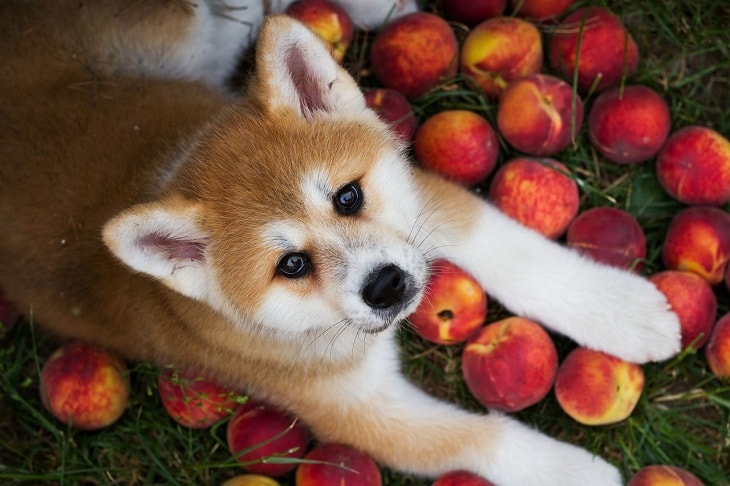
274 239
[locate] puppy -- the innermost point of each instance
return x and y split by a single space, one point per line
273 241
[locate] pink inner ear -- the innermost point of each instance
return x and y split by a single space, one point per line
310 89
174 248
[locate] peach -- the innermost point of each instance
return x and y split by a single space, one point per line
458 144
610 236
541 10
251 480
693 166
537 193
698 240
461 478
394 109
629 125
607 54
337 465
717 350
471 12
328 20
595 388
84 386
538 114
694 302
414 54
257 432
193 400
510 364
500 50
453 307
656 475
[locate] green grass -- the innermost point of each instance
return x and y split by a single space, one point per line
683 417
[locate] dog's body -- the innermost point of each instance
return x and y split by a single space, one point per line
271 241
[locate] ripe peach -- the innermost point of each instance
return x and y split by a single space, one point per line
328 20
610 236
694 302
500 50
717 351
537 193
656 475
461 478
693 166
541 10
394 109
250 480
192 400
458 144
538 114
414 53
510 364
84 386
337 465
453 307
471 12
607 54
630 124
595 388
698 240
257 432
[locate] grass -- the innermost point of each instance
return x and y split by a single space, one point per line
683 417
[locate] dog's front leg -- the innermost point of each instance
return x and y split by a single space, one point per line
598 306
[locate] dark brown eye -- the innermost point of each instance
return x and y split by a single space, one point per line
294 265
349 199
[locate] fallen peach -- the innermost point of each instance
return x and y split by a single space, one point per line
693 166
717 351
595 388
500 50
394 109
510 364
629 124
694 302
414 53
461 478
539 115
471 12
656 475
328 20
458 144
537 193
337 465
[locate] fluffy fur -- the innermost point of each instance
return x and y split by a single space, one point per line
147 209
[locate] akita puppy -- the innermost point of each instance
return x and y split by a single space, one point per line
273 241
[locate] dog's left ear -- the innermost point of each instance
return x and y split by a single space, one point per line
296 72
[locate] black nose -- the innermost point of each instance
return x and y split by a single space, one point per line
385 287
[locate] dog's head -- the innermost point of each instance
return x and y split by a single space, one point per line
295 211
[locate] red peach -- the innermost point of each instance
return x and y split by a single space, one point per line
471 12
461 478
595 388
630 124
539 115
694 302
453 307
257 432
414 53
500 50
656 475
394 109
698 240
458 144
610 236
537 193
337 465
84 386
251 480
607 54
510 364
328 20
192 400
717 351
541 10
693 166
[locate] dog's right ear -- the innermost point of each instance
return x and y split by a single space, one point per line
295 73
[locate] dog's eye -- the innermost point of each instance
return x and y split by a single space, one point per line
349 199
294 265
